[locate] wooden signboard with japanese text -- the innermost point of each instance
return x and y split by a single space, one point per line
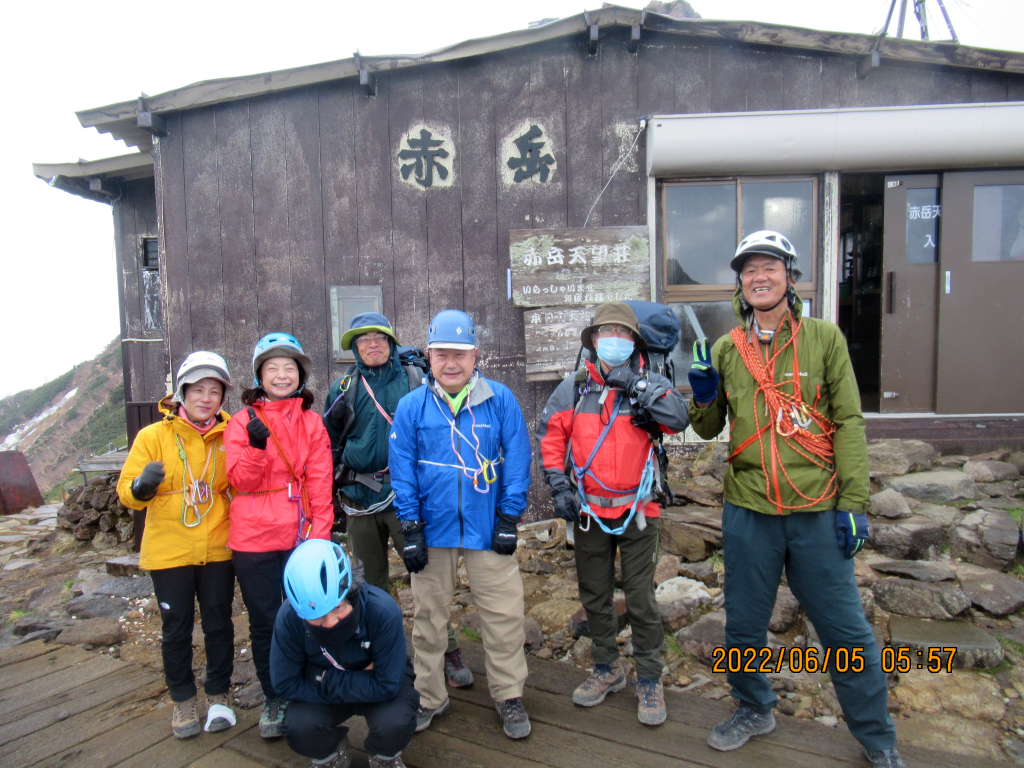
575 267
563 275
553 340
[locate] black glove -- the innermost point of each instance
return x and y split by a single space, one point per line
415 550
567 505
503 542
624 378
317 675
258 432
144 486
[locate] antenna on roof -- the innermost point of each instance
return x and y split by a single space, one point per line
922 19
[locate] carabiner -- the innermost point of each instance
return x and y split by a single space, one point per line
296 496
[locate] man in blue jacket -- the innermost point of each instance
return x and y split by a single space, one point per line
338 651
460 470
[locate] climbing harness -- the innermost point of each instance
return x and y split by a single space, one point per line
640 494
486 468
296 488
786 417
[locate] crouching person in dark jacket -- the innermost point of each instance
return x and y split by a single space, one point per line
339 651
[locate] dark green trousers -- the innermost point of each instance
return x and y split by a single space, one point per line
368 539
595 568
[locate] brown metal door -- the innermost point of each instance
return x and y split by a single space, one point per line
981 312
909 286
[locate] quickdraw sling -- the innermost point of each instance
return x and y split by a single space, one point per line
787 418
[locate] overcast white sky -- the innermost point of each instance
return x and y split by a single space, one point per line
58 305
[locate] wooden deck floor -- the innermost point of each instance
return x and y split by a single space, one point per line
62 706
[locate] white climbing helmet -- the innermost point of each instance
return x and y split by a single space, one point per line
769 243
201 365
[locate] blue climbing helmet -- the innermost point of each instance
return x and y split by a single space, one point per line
280 345
451 329
317 578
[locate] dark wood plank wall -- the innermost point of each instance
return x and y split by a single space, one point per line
268 202
143 362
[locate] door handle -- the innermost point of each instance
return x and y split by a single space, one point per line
890 284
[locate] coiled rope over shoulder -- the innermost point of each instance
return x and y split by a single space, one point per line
787 418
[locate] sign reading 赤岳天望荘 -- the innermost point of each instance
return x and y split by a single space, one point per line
553 340
564 274
576 267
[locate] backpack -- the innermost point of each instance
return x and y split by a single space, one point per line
659 327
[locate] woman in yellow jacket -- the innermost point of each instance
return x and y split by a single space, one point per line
177 469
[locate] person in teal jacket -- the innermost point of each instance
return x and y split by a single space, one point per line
460 468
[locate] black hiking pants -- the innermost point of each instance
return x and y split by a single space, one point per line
261 579
177 590
316 730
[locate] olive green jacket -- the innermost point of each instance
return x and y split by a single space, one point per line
824 368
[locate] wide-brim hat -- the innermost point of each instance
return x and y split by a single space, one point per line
366 322
613 313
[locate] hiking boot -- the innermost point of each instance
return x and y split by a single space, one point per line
272 719
605 679
340 759
219 721
458 674
387 762
424 714
514 720
651 705
185 720
887 758
737 730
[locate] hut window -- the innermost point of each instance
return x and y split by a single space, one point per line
152 307
347 301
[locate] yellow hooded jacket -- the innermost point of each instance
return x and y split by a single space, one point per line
167 542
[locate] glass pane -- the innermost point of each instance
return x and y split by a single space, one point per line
715 319
700 223
923 226
998 223
784 206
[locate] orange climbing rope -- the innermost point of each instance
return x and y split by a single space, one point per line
789 418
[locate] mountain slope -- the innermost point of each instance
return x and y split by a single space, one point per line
77 414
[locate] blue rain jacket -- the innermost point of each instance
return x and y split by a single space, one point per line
426 474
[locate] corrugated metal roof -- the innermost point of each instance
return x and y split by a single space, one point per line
119 120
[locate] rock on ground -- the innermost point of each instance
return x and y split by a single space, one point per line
553 615
888 458
92 632
90 607
948 733
919 570
667 568
968 694
988 537
991 471
914 598
701 571
992 591
941 487
680 600
915 538
703 636
974 646
124 586
890 503
785 611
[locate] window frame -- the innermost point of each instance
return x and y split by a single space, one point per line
339 294
807 287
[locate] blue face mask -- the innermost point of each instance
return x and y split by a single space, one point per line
613 350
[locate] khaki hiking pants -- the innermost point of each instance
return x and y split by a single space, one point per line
497 590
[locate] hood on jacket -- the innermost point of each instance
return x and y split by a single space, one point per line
744 313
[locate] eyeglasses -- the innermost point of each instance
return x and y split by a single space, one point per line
371 338
613 330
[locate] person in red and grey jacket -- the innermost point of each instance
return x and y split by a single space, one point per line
279 462
595 426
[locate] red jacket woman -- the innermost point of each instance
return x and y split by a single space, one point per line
279 460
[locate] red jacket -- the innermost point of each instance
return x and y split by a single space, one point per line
265 522
620 460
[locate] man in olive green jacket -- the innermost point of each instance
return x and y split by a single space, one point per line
796 493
